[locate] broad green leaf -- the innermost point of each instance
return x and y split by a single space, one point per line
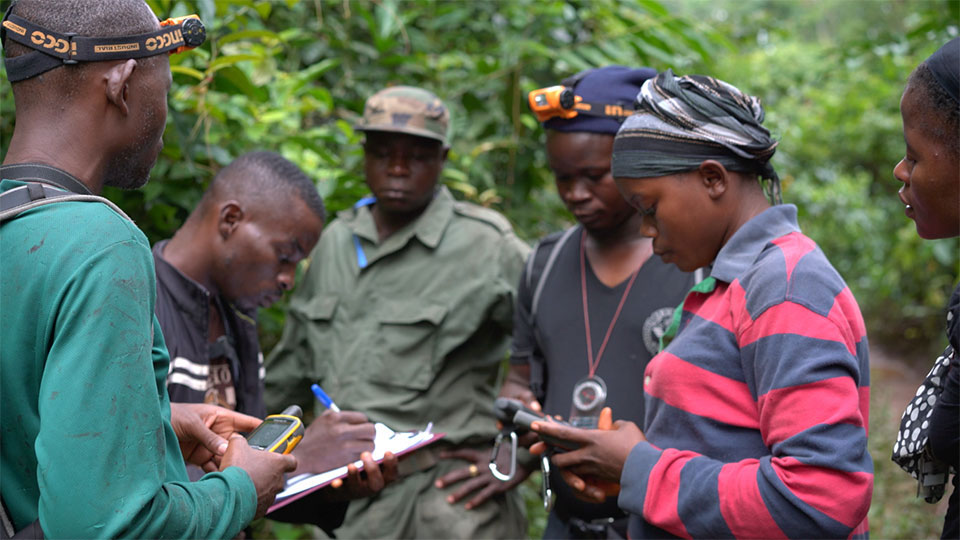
248 34
455 175
188 71
264 8
230 60
468 190
315 71
273 116
234 81
207 10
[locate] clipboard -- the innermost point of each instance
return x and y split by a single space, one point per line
385 440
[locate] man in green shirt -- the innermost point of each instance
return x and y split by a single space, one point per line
405 314
89 445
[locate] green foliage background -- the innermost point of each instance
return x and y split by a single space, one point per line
292 76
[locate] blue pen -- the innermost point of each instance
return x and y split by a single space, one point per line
324 398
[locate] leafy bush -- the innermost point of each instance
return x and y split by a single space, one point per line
830 75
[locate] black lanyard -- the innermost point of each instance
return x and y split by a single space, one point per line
38 172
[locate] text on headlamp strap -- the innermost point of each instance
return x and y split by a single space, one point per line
90 49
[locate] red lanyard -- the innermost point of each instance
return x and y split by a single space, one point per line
591 363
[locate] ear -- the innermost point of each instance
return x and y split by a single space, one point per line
229 218
443 155
715 177
117 78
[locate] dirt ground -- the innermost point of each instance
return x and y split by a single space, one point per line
898 378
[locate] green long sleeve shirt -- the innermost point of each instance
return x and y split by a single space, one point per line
416 335
87 444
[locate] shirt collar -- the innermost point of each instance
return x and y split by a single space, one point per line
743 248
192 297
428 228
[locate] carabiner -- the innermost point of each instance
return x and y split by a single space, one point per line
545 490
494 470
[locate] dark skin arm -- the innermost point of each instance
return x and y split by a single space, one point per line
332 440
264 468
363 483
484 485
517 386
203 431
594 467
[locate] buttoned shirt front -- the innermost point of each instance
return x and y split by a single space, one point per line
409 330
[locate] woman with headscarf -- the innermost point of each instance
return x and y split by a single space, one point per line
756 409
930 172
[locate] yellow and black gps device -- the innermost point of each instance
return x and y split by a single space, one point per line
278 433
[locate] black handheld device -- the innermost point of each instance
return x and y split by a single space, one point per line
514 412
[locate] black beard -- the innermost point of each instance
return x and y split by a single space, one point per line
125 172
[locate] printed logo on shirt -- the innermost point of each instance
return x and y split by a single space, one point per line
188 373
220 389
654 327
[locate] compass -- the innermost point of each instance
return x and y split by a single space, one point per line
589 397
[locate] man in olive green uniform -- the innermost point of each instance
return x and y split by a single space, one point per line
405 314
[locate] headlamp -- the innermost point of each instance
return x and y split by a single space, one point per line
191 29
53 49
553 101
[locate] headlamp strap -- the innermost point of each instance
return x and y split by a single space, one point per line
606 110
53 48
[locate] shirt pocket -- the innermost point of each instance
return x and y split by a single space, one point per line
316 315
407 343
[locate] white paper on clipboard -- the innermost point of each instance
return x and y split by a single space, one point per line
385 440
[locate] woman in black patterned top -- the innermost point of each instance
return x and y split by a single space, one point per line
930 172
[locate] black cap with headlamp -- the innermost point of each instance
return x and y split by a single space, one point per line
595 100
52 49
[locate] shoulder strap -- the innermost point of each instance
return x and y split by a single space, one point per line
32 195
542 278
536 276
32 530
38 172
8 530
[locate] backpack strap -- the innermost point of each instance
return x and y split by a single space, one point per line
545 273
539 264
32 530
34 194
45 174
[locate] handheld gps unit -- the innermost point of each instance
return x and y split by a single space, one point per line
278 433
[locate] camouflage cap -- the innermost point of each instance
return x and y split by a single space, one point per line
406 109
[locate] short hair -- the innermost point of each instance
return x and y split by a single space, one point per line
91 18
263 175
944 109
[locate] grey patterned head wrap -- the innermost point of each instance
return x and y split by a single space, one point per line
682 121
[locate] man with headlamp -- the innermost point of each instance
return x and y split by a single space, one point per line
90 444
592 302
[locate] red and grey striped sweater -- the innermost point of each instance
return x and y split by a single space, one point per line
757 412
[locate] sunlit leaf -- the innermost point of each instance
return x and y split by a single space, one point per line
248 34
230 60
188 71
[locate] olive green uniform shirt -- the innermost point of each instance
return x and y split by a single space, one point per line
415 336
418 334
